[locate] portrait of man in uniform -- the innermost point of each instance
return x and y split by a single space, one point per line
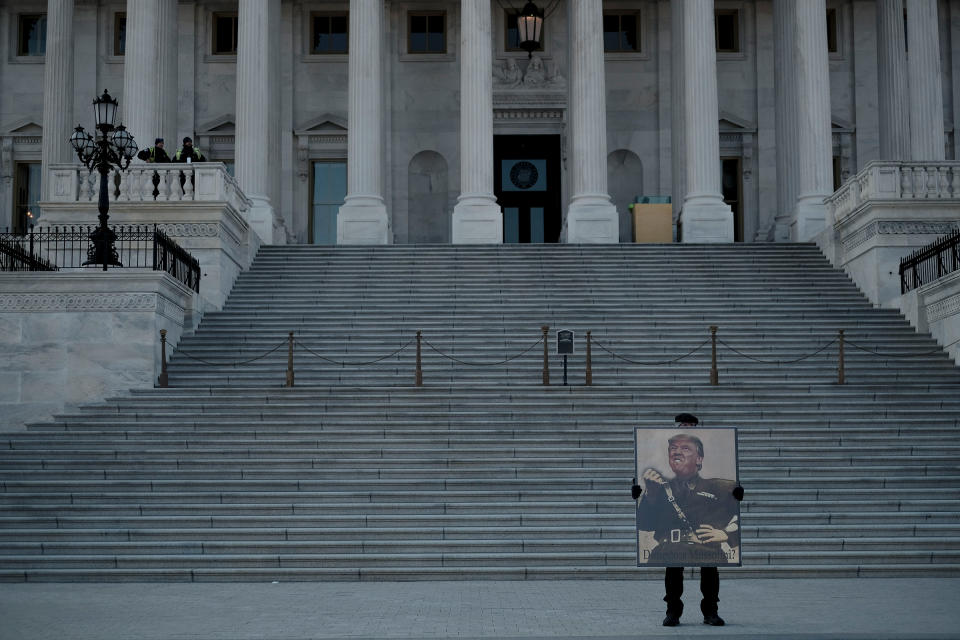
686 514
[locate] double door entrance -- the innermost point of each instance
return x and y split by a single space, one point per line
526 181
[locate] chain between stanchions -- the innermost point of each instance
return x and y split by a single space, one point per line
778 362
231 364
484 364
651 364
902 355
353 364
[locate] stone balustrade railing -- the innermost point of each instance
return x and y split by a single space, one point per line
149 183
896 181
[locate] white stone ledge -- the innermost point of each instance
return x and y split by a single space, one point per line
935 308
70 338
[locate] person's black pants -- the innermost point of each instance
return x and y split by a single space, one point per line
709 587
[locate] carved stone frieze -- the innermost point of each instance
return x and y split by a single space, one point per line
56 302
943 309
896 227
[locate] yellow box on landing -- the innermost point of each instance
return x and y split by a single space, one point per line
652 222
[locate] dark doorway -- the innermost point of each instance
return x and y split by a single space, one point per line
526 181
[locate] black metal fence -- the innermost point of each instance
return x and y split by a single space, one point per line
57 248
931 262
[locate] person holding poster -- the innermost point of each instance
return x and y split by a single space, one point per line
690 520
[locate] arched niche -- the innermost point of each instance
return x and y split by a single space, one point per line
625 182
428 211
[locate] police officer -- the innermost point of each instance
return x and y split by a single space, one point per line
188 153
154 153
695 517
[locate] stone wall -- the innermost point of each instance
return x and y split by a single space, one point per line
71 338
935 308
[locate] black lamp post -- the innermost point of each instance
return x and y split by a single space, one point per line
529 26
112 147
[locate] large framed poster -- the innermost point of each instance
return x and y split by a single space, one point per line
687 515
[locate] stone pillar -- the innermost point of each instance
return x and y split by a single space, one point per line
363 217
477 218
58 91
786 115
149 104
892 82
591 216
705 216
926 92
814 135
257 135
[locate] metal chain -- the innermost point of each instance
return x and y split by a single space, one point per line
230 364
353 364
484 364
902 355
777 362
651 364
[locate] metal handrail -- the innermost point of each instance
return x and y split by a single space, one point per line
928 263
57 248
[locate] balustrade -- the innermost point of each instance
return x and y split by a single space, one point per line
885 181
149 183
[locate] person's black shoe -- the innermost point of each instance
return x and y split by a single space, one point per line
713 620
671 620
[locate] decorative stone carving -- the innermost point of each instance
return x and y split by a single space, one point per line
78 302
538 75
507 74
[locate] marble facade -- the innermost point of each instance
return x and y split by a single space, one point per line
307 114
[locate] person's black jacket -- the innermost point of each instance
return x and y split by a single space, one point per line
153 154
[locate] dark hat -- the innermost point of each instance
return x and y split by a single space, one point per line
158 141
686 418
187 139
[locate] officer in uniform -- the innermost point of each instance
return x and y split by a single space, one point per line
696 522
154 153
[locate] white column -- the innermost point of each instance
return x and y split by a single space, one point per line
892 81
58 91
363 217
926 91
477 218
814 134
786 115
591 217
705 216
257 136
149 103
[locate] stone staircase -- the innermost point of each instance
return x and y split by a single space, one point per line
483 472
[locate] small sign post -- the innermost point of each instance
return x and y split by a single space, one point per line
564 348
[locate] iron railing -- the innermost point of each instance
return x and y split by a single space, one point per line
933 261
57 248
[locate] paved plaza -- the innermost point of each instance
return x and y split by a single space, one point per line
872 609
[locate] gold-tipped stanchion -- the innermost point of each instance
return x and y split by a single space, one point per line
162 380
840 363
589 377
419 376
290 360
546 356
714 374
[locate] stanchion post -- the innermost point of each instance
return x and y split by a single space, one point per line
162 380
419 376
714 374
546 356
589 380
290 360
840 363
